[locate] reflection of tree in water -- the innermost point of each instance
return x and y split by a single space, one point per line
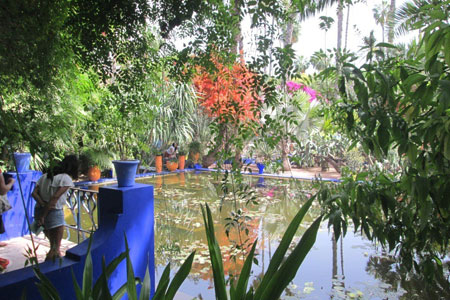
388 270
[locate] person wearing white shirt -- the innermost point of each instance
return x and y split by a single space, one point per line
50 194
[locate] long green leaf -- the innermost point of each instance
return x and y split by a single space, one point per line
287 271
104 290
180 276
109 269
215 255
45 286
145 288
76 287
131 282
120 292
87 273
283 247
241 287
163 284
232 291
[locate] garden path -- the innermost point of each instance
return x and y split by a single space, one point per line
15 250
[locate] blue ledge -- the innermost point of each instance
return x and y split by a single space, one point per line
121 211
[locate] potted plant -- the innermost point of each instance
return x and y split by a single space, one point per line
22 161
93 161
172 164
194 151
181 158
158 160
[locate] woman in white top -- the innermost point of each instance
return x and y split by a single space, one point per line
50 194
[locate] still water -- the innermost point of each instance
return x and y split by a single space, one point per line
350 268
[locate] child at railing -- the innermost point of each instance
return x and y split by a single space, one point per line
50 194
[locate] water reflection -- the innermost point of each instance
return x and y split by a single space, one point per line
179 231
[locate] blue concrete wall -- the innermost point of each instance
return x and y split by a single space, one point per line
121 211
14 219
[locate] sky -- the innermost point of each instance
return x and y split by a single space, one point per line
312 38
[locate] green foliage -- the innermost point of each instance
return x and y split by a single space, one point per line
182 151
40 121
97 157
33 51
281 270
100 289
194 147
174 112
401 104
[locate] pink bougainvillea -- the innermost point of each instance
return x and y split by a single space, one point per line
293 87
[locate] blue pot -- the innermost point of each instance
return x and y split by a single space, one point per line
22 161
260 168
260 182
125 171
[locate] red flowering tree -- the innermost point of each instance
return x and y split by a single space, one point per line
229 95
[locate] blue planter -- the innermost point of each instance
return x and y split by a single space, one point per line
260 168
260 182
22 161
248 161
125 171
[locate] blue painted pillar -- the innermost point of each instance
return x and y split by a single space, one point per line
14 219
131 211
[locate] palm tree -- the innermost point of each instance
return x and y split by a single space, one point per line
391 22
325 25
381 13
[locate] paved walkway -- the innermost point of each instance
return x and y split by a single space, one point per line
307 173
16 250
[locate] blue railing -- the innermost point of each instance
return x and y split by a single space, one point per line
81 201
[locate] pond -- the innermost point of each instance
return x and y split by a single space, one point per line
351 268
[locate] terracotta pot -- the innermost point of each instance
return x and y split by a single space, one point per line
181 161
158 163
94 173
195 157
171 165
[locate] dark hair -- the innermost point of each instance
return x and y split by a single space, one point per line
69 166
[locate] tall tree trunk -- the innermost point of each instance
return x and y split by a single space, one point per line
346 25
340 16
287 40
287 36
391 22
210 158
284 155
238 47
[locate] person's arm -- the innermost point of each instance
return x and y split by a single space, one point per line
5 187
51 204
37 196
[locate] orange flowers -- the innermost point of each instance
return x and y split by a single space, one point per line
229 94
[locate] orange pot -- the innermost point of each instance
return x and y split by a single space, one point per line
181 161
158 163
171 165
195 157
94 173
